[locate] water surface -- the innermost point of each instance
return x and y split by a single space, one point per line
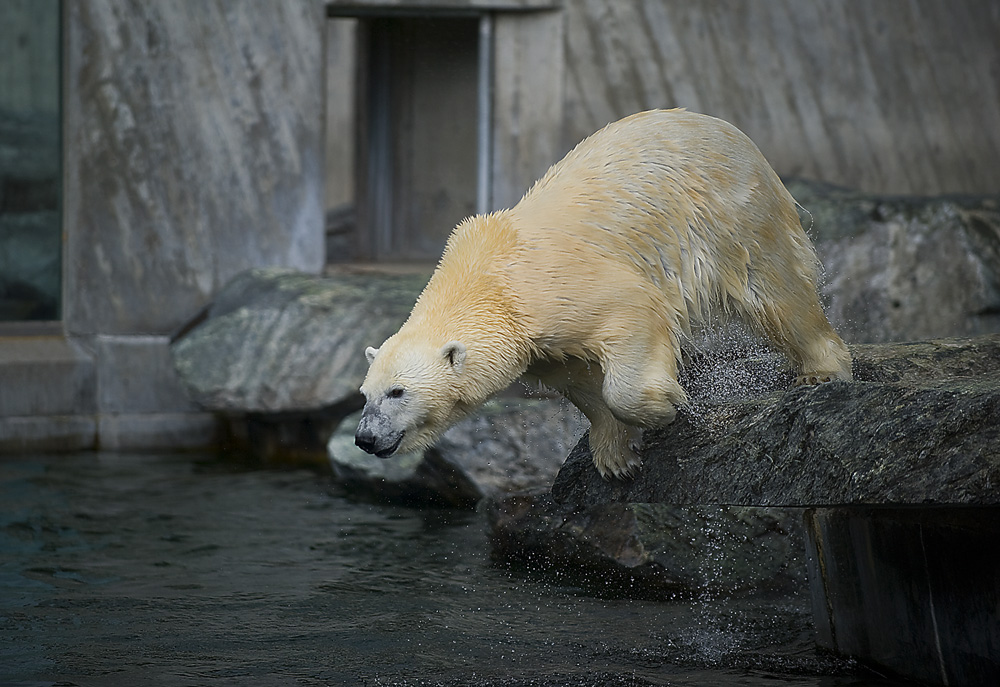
172 570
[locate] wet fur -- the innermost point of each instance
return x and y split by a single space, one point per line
591 282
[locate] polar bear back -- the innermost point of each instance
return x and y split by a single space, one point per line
679 200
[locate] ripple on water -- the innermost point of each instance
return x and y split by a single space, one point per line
169 570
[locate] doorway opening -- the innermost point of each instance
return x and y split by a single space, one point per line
418 118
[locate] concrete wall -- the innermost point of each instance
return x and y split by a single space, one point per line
193 150
886 97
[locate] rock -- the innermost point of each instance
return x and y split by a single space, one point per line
651 549
512 444
921 425
279 356
280 341
890 482
916 590
905 268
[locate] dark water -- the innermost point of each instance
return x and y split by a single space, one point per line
166 570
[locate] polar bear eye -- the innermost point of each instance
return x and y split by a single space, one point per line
395 392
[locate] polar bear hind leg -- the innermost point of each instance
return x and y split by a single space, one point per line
640 381
793 320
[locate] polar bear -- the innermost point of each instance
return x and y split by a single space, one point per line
591 283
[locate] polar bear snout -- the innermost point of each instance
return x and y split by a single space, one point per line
375 434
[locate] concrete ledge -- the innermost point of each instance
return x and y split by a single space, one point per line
51 433
46 375
157 431
132 432
62 393
135 374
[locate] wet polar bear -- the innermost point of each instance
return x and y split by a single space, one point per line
591 282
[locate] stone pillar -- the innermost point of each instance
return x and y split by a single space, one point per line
527 101
914 589
193 150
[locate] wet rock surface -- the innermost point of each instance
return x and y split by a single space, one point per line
512 444
280 357
280 341
920 425
651 549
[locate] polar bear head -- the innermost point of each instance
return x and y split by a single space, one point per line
412 395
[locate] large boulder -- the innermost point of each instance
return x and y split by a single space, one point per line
905 268
920 425
279 341
511 444
279 357
879 495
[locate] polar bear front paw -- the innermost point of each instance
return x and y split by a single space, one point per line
616 450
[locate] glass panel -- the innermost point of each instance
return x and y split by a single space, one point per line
30 161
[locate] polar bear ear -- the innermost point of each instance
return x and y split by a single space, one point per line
370 353
454 353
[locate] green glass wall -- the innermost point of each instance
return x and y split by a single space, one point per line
30 161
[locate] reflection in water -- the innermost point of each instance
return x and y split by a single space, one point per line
124 570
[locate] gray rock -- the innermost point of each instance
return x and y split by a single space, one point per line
905 268
279 341
512 444
921 425
916 590
651 549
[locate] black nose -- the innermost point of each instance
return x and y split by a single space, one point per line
365 441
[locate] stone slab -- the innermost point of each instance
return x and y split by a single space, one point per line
48 433
136 375
157 431
509 445
46 375
921 425
278 340
651 550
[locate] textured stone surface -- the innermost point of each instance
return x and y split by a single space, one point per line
914 589
48 433
193 152
921 425
652 549
905 268
865 95
278 340
46 375
135 374
512 444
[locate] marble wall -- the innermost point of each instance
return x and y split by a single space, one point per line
193 151
883 97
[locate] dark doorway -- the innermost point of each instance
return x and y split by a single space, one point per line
418 147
